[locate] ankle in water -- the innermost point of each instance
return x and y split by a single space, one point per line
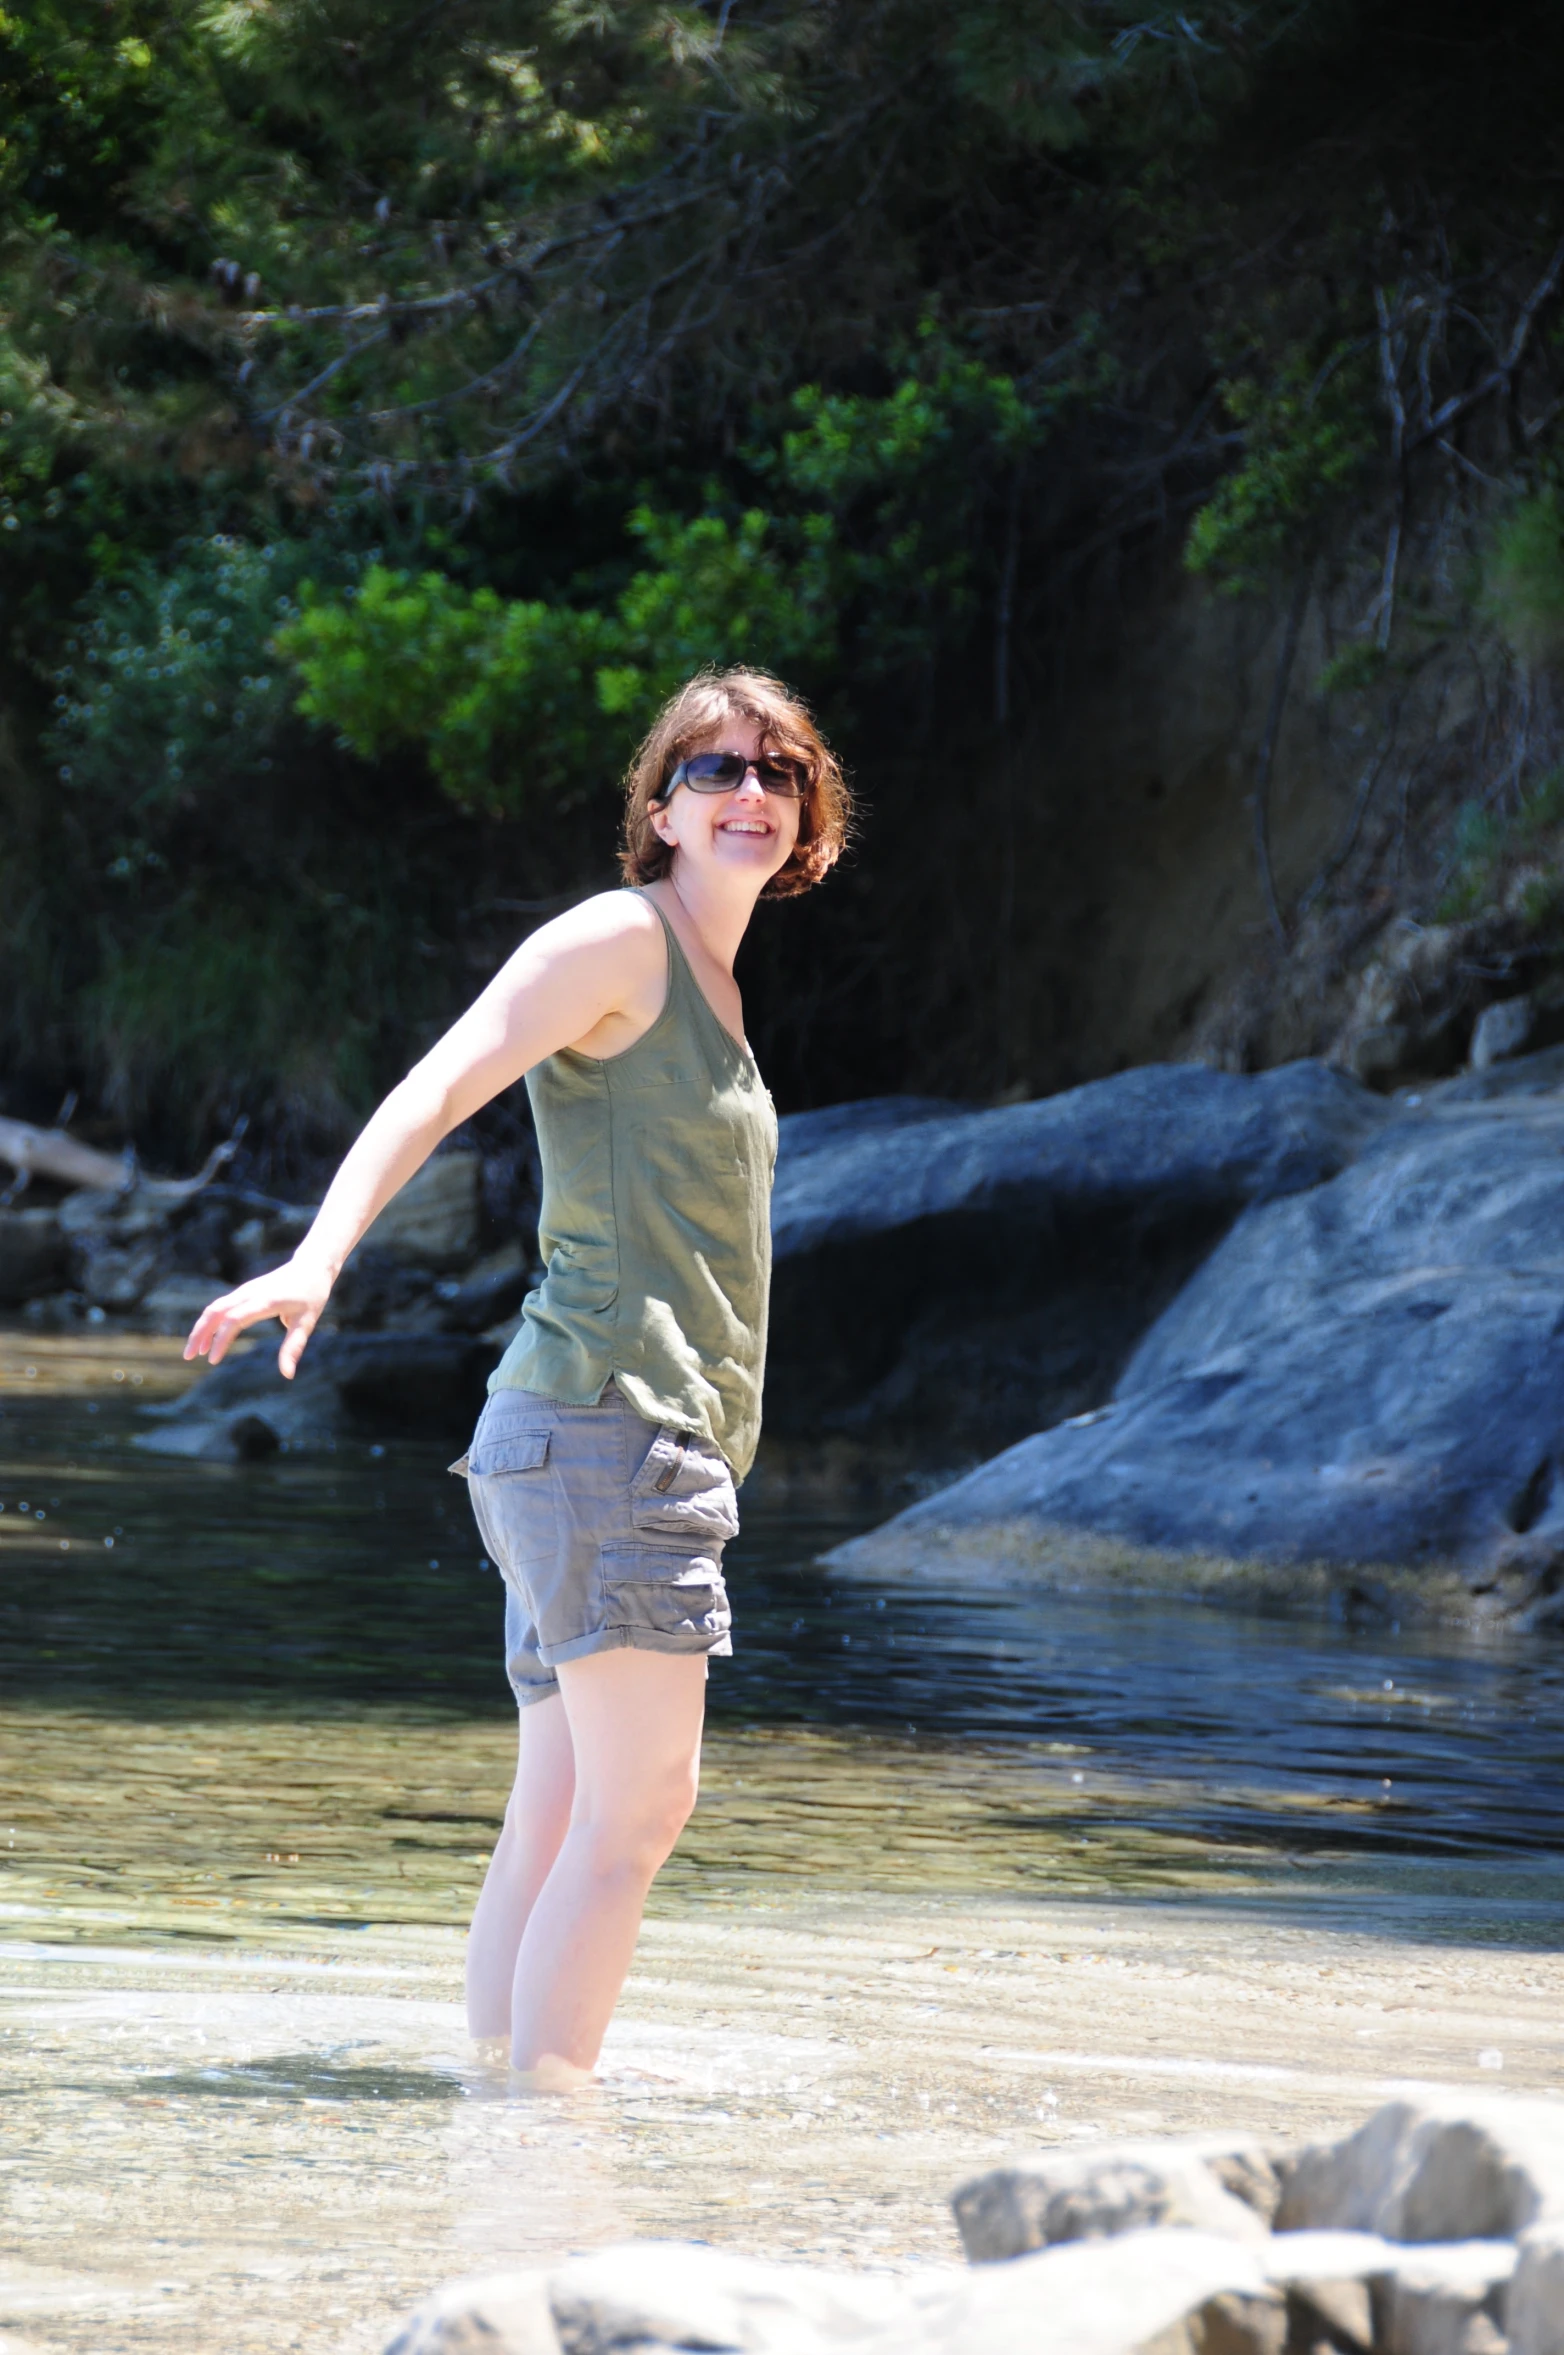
550 2074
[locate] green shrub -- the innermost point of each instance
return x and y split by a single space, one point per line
173 688
865 556
1485 843
1307 437
1525 577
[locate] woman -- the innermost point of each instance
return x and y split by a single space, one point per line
602 1470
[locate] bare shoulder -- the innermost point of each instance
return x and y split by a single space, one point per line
614 934
608 920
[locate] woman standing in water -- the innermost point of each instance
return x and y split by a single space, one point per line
602 1470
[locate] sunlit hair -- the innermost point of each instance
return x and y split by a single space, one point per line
688 723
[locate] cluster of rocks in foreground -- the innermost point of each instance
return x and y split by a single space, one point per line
1436 2229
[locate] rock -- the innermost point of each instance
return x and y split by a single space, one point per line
672 2294
1234 2325
1502 1031
1091 2194
1353 1401
1447 2301
32 1254
963 1277
490 2314
1330 2280
1456 2169
1247 2170
1188 2293
1179 2292
349 1384
1534 2309
491 1290
435 1217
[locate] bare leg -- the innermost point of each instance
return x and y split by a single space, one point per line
635 1723
536 1818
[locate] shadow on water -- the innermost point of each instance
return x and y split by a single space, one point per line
307 2077
324 1588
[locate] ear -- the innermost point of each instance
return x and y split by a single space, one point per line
657 813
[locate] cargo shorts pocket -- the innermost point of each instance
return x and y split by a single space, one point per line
681 1600
513 1496
682 1497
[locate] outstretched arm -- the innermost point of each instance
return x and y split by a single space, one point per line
601 960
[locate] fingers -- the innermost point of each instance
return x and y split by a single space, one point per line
222 1321
292 1350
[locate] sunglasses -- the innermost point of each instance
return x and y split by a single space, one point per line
724 772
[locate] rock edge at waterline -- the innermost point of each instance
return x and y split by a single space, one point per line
1436 2229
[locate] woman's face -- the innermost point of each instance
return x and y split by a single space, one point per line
747 832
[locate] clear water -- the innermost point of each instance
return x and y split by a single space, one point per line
970 1870
995 1738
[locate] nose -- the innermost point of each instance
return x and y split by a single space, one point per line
749 786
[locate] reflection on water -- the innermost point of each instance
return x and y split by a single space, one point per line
272 1693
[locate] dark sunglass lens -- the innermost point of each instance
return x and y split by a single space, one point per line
780 776
714 772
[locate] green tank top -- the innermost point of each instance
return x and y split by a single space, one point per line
655 1226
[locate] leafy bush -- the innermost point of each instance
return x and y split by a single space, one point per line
1485 843
513 698
1525 582
867 553
1306 437
173 689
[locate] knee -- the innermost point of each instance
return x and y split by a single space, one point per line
637 1835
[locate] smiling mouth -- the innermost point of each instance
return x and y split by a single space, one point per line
745 826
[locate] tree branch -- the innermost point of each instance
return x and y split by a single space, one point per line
1265 758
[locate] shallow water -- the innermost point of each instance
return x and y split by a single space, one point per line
266 1619
968 1871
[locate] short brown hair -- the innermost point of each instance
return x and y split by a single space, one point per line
786 725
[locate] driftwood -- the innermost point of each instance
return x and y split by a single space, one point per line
50 1153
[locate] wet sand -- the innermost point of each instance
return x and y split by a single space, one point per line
283 2150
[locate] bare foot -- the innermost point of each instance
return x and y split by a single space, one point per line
550 2074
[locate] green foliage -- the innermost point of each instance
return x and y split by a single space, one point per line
1486 844
514 700
1351 672
172 690
511 699
1525 577
1306 438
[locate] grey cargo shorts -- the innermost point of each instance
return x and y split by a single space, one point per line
607 1530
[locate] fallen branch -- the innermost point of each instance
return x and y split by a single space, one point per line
49 1152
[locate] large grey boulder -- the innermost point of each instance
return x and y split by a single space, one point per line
1097 2192
661 2294
1181 2292
959 1278
1449 2301
1455 2168
1534 2311
1356 1395
1161 2289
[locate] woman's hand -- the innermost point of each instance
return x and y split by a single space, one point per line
296 1294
